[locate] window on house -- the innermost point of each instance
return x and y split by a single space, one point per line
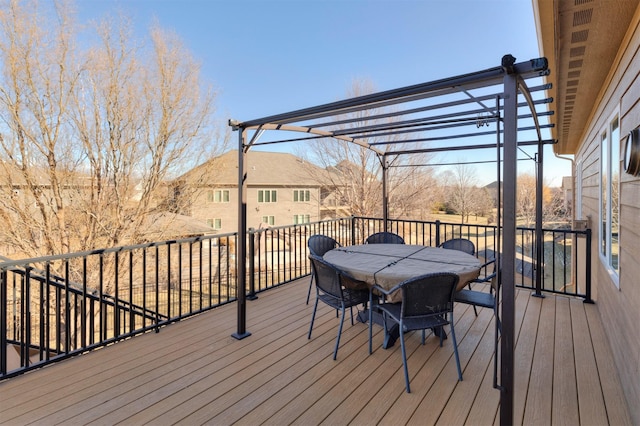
215 223
270 220
267 196
210 195
609 190
301 195
221 196
301 218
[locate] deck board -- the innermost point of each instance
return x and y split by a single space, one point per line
565 402
193 371
524 354
592 404
538 404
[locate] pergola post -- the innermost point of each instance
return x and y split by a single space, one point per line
539 237
241 253
385 192
510 174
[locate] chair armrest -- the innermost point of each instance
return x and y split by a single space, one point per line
385 291
476 298
489 277
484 279
487 263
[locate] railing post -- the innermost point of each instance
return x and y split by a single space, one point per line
437 232
252 265
353 230
25 314
538 264
588 268
3 322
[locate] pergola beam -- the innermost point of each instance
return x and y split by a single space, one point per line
489 77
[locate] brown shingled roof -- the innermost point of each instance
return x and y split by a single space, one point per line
263 168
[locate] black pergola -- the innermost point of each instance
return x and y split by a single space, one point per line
449 115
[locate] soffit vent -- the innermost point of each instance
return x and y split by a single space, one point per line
579 36
582 17
577 51
581 23
576 64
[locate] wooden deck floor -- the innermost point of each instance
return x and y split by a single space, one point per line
194 372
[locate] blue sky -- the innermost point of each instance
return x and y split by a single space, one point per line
267 57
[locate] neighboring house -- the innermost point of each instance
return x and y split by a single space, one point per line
492 189
282 189
593 49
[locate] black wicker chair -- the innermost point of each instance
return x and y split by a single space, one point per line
318 246
427 301
338 290
384 238
486 299
461 244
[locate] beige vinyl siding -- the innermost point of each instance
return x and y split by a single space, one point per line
618 307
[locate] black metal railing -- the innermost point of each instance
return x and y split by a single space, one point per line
58 306
564 268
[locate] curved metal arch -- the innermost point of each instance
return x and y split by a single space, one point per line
302 129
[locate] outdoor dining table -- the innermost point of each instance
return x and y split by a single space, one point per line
389 264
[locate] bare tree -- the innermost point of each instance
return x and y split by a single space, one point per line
461 189
483 202
415 195
556 208
526 198
355 172
88 137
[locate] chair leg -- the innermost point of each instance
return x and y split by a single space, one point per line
404 360
498 330
313 317
455 348
335 351
474 306
309 291
370 322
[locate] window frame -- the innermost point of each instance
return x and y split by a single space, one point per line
301 195
215 223
270 220
609 199
221 196
301 219
267 196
